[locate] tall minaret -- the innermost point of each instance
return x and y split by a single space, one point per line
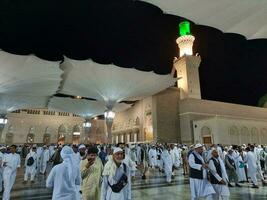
187 64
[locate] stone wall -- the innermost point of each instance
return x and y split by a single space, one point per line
132 125
231 130
165 116
247 117
36 124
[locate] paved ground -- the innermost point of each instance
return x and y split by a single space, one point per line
153 188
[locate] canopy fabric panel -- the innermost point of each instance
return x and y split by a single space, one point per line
28 75
110 83
82 107
26 81
244 17
9 103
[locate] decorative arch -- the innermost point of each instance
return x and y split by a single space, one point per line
245 135
76 134
137 121
263 136
47 136
31 135
234 135
255 135
62 132
206 135
205 131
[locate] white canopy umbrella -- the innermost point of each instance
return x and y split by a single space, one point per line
110 83
246 17
82 107
28 75
26 81
9 103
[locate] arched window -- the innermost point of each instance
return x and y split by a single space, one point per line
76 134
137 121
30 136
263 136
245 135
234 135
47 136
255 135
62 131
206 135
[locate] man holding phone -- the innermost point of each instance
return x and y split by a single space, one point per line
91 170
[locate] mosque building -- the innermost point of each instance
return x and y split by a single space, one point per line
176 114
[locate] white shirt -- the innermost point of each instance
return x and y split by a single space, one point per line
12 161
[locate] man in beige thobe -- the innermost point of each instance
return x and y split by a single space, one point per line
91 170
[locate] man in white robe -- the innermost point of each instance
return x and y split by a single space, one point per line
10 163
251 160
114 170
199 185
167 164
175 156
30 168
2 149
65 177
152 153
39 155
138 154
44 160
239 162
218 177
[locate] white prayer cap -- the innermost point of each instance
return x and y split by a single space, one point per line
34 145
82 146
198 145
117 149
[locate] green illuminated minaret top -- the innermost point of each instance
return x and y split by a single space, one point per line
184 28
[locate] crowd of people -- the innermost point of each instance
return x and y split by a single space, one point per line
106 171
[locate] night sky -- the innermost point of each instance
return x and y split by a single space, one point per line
133 34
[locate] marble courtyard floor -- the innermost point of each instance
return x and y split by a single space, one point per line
153 188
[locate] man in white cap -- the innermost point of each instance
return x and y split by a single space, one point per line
116 183
82 150
31 165
199 185
218 176
65 177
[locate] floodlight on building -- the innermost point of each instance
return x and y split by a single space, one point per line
78 97
109 114
3 120
76 133
185 41
87 124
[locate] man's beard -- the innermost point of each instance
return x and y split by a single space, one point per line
82 153
118 161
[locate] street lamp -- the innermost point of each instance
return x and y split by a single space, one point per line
109 115
3 120
87 125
